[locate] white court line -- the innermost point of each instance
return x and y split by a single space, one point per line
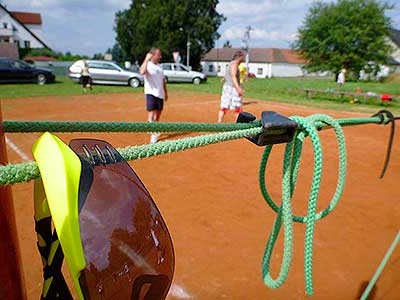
17 150
179 292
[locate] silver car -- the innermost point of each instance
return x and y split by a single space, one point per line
106 72
180 73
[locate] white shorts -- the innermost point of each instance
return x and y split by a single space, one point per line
230 98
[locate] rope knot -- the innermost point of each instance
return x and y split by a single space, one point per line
385 116
285 218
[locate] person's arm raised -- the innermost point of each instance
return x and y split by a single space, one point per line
143 67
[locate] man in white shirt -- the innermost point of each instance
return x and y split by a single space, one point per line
155 87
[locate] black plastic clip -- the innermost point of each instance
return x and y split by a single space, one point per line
277 129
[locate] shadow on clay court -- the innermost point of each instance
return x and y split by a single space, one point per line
167 136
249 102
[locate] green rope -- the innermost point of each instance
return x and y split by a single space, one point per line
291 164
71 126
381 266
24 172
57 126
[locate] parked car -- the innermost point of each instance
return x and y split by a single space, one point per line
106 72
15 71
179 73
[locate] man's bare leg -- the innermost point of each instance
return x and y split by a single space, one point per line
221 115
154 116
158 115
151 116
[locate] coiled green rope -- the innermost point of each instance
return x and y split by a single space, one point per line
291 164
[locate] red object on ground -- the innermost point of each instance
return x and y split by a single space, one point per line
386 97
11 279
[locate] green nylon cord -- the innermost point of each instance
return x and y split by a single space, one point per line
291 164
57 126
23 172
380 268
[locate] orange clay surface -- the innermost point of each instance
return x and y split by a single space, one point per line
213 207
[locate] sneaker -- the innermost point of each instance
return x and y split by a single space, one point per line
154 137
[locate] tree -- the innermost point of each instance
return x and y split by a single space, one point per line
347 34
168 25
98 56
28 52
227 44
117 53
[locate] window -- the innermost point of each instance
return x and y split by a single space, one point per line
167 67
219 69
94 65
210 68
18 64
4 64
260 71
110 67
18 43
5 25
27 44
14 29
179 67
103 66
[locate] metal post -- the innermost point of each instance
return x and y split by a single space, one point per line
247 60
11 277
246 42
188 51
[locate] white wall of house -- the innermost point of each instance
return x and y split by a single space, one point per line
36 29
25 37
260 70
6 32
214 68
287 70
395 49
15 32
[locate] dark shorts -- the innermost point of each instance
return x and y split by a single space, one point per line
85 80
154 103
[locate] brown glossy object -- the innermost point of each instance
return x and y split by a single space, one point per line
11 278
127 246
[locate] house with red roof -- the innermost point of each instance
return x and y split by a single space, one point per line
263 62
21 28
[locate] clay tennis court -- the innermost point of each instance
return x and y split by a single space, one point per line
211 202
